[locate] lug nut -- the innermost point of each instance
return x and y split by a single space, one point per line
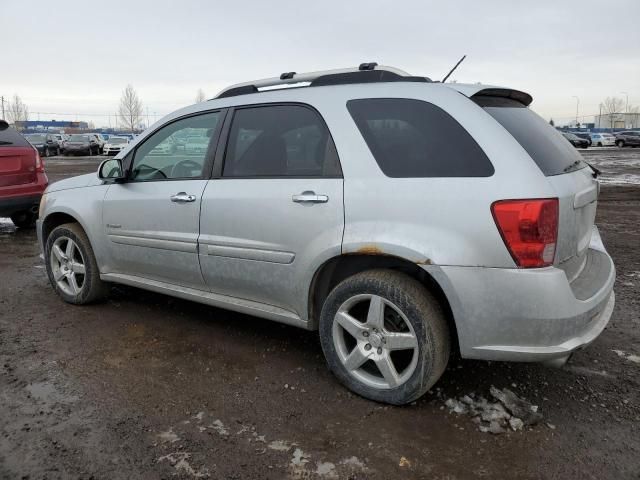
367 346
365 334
379 350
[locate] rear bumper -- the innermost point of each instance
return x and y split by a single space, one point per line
15 204
529 315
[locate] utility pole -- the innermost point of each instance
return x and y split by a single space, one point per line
626 109
577 108
600 116
2 101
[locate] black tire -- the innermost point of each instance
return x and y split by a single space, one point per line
620 143
421 309
93 289
599 144
24 219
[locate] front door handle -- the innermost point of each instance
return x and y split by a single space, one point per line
182 197
309 197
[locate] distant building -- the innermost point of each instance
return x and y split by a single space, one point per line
42 125
626 121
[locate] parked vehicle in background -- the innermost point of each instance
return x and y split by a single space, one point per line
22 178
60 139
45 143
101 141
628 138
575 140
444 215
83 143
602 140
196 145
114 145
583 135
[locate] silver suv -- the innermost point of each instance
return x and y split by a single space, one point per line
400 217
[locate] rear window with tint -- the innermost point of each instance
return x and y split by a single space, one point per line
411 138
11 138
544 144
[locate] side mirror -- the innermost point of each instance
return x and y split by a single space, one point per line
111 171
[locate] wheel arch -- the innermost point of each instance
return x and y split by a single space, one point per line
336 269
55 219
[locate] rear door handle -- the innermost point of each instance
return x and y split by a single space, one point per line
309 197
183 197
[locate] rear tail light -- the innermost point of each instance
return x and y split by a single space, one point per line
39 162
529 229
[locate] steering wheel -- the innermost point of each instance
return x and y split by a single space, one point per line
148 167
184 165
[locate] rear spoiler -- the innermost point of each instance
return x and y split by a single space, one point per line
521 97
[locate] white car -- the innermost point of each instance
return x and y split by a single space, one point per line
195 145
100 139
60 139
114 145
602 140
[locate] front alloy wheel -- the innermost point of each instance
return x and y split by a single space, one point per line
67 266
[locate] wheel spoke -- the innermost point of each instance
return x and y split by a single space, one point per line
355 359
58 275
69 249
73 283
57 251
350 324
375 316
388 370
77 268
400 341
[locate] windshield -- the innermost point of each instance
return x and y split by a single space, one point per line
36 138
79 138
544 144
115 140
570 136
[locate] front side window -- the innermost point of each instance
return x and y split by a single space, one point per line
280 141
178 150
412 138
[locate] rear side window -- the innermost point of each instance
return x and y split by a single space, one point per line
280 141
11 138
411 138
544 144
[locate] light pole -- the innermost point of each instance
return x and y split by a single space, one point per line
577 108
626 108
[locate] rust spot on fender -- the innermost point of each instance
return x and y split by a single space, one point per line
426 261
370 250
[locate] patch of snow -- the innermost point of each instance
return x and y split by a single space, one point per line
168 436
280 445
219 427
326 469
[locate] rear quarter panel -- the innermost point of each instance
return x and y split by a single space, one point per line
439 221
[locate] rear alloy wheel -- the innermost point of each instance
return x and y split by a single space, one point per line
24 219
620 143
71 265
46 152
384 336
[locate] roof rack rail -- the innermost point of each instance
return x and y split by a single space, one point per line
365 73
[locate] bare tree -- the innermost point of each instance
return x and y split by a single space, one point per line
17 111
611 106
200 97
130 111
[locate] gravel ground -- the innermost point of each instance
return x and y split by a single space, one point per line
146 386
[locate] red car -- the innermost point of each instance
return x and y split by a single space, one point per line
22 178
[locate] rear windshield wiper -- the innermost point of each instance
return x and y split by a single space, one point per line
596 172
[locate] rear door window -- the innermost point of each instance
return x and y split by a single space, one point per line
412 138
544 144
280 141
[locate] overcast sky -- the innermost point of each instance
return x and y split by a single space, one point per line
75 57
